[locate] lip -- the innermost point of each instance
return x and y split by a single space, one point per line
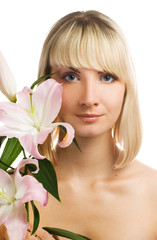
89 117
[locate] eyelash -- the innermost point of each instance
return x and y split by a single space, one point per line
106 75
65 75
111 76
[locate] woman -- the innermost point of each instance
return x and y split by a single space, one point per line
105 192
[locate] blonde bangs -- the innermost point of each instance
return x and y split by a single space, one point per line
93 40
89 48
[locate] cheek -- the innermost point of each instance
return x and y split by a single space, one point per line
67 101
119 98
115 101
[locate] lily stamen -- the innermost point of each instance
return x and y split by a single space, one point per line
5 196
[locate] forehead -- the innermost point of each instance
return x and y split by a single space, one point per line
90 50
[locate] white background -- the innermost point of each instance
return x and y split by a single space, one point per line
25 24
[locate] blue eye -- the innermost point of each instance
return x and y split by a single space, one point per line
70 77
109 78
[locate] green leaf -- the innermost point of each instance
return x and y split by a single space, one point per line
36 218
1 140
11 151
47 176
65 233
76 143
41 79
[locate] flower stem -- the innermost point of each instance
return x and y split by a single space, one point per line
41 79
27 209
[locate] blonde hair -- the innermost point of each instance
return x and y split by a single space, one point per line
92 40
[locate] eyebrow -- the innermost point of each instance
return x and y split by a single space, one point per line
103 71
74 69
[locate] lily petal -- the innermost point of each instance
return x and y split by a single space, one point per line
7 81
30 189
16 224
69 135
47 101
19 122
13 213
17 175
30 145
23 98
42 135
5 212
6 185
35 113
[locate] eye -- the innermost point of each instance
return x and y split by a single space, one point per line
109 78
70 77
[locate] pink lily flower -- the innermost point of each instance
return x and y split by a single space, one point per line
31 118
7 81
14 192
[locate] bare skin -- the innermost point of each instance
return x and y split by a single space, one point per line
96 200
121 206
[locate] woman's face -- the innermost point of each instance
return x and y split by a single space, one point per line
91 100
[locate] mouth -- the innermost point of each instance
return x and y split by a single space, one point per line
89 117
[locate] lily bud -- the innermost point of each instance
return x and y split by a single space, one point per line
7 81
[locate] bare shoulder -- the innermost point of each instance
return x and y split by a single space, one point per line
145 174
148 173
147 179
144 179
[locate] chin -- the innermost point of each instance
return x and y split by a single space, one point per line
91 133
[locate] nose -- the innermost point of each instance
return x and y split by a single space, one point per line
88 96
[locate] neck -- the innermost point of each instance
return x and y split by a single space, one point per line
96 158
